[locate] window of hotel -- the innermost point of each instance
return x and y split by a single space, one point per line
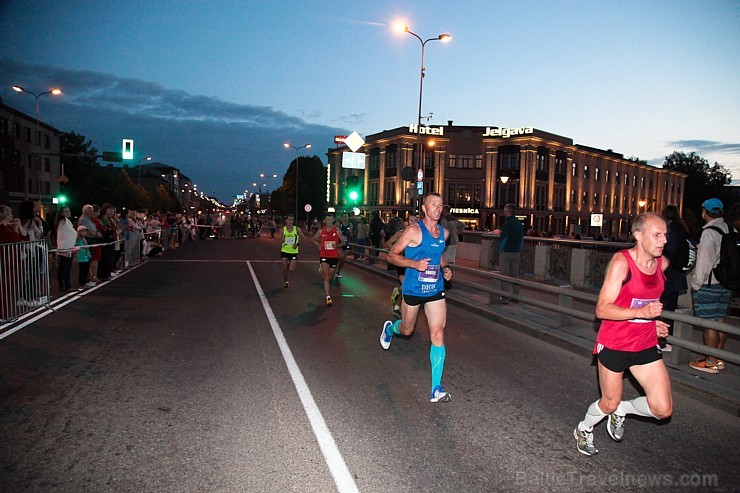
469 161
642 182
560 166
596 174
606 176
389 193
28 134
584 198
624 203
543 163
46 141
372 189
16 130
616 177
464 194
634 181
508 157
585 171
391 156
573 169
540 198
507 193
3 126
47 165
374 159
616 201
606 200
572 196
16 156
596 198
558 199
626 179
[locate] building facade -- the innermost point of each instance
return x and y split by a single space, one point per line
557 186
30 161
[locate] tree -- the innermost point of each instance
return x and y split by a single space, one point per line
702 181
311 187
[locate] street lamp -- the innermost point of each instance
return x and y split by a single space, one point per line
444 38
297 149
55 91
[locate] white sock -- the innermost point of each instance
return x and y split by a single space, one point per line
592 418
637 406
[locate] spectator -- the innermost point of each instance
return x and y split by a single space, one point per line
711 299
84 256
65 238
455 227
510 249
363 237
92 237
377 229
675 278
11 231
35 262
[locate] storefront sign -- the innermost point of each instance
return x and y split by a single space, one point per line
507 132
464 210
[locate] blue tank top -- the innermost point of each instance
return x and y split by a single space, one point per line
430 282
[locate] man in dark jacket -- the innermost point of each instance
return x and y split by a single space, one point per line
510 249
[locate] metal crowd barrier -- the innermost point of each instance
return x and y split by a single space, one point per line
24 278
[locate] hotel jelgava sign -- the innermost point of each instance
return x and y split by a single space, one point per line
489 132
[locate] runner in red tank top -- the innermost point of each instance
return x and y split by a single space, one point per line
329 239
628 305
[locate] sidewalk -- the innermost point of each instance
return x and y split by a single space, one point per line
720 390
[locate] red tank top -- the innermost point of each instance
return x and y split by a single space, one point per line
329 243
639 290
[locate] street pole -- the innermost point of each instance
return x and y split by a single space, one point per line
296 149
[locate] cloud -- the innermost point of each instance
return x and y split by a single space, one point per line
707 146
220 145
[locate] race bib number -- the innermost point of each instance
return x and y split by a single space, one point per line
639 303
330 245
290 240
430 275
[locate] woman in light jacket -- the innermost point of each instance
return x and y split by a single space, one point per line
66 238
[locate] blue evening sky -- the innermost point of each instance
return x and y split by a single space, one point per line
215 87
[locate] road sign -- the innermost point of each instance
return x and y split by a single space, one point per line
127 150
307 208
420 187
354 141
355 160
597 219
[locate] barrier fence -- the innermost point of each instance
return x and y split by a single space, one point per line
24 278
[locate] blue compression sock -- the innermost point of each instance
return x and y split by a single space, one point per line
392 330
437 358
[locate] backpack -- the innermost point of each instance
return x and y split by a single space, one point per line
727 271
684 259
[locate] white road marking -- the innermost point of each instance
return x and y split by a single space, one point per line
342 477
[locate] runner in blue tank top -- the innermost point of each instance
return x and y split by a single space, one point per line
420 250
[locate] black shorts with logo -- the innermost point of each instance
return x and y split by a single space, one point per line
619 361
411 300
332 261
289 256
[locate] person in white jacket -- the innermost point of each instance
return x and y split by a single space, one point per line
66 237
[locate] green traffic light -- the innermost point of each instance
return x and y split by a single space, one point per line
353 195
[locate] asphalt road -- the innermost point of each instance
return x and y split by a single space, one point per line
197 371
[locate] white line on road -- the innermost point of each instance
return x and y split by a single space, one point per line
342 477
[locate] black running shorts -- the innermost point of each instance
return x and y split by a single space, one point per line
420 300
619 361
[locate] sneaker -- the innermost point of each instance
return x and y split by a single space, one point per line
585 442
385 339
328 301
397 312
702 365
394 295
90 284
287 284
615 427
338 275
438 394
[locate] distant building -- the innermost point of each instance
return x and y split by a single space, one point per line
30 161
555 184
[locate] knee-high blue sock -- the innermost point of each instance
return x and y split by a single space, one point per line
437 358
392 330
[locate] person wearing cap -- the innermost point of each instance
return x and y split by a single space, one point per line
710 298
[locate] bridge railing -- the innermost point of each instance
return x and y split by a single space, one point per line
569 304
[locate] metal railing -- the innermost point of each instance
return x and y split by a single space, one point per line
492 283
24 278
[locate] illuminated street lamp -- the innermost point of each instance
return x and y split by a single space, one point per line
297 149
444 38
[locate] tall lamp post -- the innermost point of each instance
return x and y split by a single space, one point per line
297 150
55 91
444 37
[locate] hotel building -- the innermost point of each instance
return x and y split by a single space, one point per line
557 186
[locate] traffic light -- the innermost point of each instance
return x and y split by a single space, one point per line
354 190
60 199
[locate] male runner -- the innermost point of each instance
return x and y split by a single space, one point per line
400 271
329 240
628 305
290 237
346 228
420 248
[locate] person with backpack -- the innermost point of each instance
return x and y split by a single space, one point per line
710 297
677 251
